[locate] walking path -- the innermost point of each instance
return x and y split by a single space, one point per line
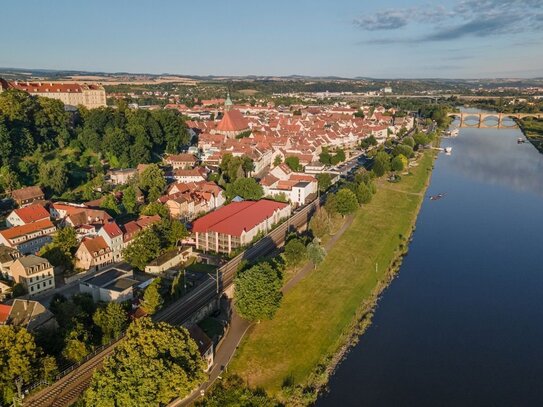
239 327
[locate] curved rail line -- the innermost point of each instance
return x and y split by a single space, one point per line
68 388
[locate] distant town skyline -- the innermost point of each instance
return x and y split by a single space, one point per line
386 39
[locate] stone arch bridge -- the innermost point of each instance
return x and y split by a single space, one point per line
490 120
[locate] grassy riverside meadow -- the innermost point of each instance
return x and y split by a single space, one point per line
319 316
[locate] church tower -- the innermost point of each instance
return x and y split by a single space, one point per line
228 102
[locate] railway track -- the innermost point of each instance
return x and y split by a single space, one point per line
68 388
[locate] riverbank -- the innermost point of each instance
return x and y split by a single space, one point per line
292 355
533 130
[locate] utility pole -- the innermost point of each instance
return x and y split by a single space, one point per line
217 279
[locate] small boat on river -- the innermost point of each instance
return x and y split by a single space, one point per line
437 197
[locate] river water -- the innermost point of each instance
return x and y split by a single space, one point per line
462 324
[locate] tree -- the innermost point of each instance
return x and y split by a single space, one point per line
20 358
152 178
381 164
293 163
247 165
325 180
61 250
408 141
76 345
331 204
420 139
404 150
247 188
155 363
109 203
325 157
145 247
277 160
397 163
152 300
257 292
295 252
129 200
233 392
54 175
111 320
155 208
363 194
320 223
315 252
346 201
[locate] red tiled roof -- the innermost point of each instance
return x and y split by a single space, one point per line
112 229
233 120
32 213
26 229
4 313
183 158
96 244
51 87
27 193
237 217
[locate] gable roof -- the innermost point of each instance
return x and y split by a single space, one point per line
95 244
112 229
233 120
26 229
237 217
32 213
27 193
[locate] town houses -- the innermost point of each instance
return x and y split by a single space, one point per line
269 137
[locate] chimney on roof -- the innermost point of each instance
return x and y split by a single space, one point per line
25 305
39 83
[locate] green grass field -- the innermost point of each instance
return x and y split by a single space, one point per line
317 314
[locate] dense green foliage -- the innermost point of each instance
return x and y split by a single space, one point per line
257 292
42 143
152 299
246 188
295 252
155 363
20 358
111 319
153 241
233 392
315 252
346 202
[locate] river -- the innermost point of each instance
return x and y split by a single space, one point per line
462 324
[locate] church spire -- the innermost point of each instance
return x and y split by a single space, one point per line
228 102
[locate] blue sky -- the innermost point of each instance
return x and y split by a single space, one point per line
382 39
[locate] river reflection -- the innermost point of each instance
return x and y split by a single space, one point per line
462 323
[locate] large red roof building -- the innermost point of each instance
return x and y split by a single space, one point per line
73 94
237 224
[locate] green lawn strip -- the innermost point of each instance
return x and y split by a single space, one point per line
317 314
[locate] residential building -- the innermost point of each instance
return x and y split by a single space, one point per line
110 285
27 314
7 256
121 176
168 260
28 238
72 94
93 254
113 235
190 175
27 195
28 214
5 290
237 224
205 345
182 161
34 273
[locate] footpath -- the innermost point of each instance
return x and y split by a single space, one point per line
239 327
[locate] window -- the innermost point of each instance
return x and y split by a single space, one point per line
32 288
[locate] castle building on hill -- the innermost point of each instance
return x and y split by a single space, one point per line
71 94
